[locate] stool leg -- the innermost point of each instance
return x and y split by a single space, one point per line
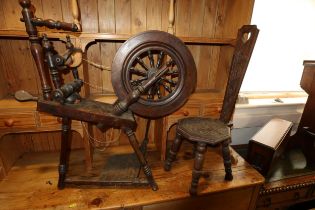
173 152
197 171
227 160
65 137
146 169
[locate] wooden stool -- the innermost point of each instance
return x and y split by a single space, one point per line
203 132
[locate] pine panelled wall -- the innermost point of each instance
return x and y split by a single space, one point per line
193 18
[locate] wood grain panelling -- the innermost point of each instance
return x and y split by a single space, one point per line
52 10
202 18
95 74
18 70
2 20
182 17
209 54
154 14
106 12
12 14
66 11
138 16
108 51
106 15
4 86
195 30
89 15
123 16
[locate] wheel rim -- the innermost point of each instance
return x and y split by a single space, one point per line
142 56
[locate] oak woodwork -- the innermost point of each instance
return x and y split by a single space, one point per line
40 181
215 31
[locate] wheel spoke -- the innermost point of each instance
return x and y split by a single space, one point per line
137 81
138 72
140 61
171 82
167 88
151 93
165 69
160 58
158 94
151 59
173 73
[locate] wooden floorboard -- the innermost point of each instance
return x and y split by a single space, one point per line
32 183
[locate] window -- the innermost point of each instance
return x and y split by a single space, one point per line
286 38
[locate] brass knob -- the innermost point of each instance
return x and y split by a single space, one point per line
9 122
186 113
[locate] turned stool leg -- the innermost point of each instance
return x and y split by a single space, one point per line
227 160
146 169
65 135
197 171
173 152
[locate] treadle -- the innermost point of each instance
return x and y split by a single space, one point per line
114 170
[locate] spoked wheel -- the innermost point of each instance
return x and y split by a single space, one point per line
146 55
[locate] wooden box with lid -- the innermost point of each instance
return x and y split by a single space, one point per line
267 145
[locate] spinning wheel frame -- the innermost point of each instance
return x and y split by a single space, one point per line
177 83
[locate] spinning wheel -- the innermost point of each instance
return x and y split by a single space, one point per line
153 73
161 59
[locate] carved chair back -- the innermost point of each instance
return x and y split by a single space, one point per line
245 42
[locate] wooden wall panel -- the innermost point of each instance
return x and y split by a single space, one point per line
123 17
2 20
95 74
52 10
209 59
12 14
108 51
18 70
154 14
138 16
195 30
106 15
4 86
66 8
182 17
89 15
208 18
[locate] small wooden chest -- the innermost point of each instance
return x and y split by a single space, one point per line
268 144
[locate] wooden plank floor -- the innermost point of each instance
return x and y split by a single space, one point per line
32 183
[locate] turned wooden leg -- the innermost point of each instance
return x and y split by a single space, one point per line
227 160
146 169
173 152
65 137
197 171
